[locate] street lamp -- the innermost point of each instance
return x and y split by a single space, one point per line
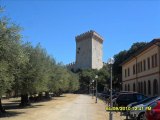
110 62
96 77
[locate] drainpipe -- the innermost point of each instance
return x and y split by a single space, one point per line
159 69
158 45
136 87
136 75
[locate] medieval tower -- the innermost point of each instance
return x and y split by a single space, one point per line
89 51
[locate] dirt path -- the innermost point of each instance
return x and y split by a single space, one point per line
69 107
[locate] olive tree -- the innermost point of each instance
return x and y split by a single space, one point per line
11 55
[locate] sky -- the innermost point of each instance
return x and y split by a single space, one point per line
55 23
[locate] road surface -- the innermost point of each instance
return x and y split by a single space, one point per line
67 107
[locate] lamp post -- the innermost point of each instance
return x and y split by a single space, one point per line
90 88
110 62
93 89
120 86
96 77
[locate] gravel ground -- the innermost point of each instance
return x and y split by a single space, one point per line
67 107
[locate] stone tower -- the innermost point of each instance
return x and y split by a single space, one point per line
89 51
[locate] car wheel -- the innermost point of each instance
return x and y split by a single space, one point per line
141 116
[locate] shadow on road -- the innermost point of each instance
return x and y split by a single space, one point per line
10 114
10 106
13 106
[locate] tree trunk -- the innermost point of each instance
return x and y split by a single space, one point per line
24 100
47 95
40 96
2 110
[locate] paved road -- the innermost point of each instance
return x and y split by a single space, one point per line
69 107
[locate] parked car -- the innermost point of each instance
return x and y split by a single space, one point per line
140 102
121 92
114 98
126 98
154 113
115 95
139 114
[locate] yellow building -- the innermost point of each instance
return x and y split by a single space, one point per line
141 72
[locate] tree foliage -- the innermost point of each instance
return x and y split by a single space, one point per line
11 54
27 70
87 75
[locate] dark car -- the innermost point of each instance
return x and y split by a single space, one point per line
116 94
127 98
114 97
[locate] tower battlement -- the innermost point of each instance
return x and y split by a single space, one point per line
71 65
89 34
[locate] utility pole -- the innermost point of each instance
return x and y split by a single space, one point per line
110 62
96 87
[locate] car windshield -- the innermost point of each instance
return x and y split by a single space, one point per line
151 100
147 100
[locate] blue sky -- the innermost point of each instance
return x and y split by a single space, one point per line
55 23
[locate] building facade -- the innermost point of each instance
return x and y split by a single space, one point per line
89 51
141 72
